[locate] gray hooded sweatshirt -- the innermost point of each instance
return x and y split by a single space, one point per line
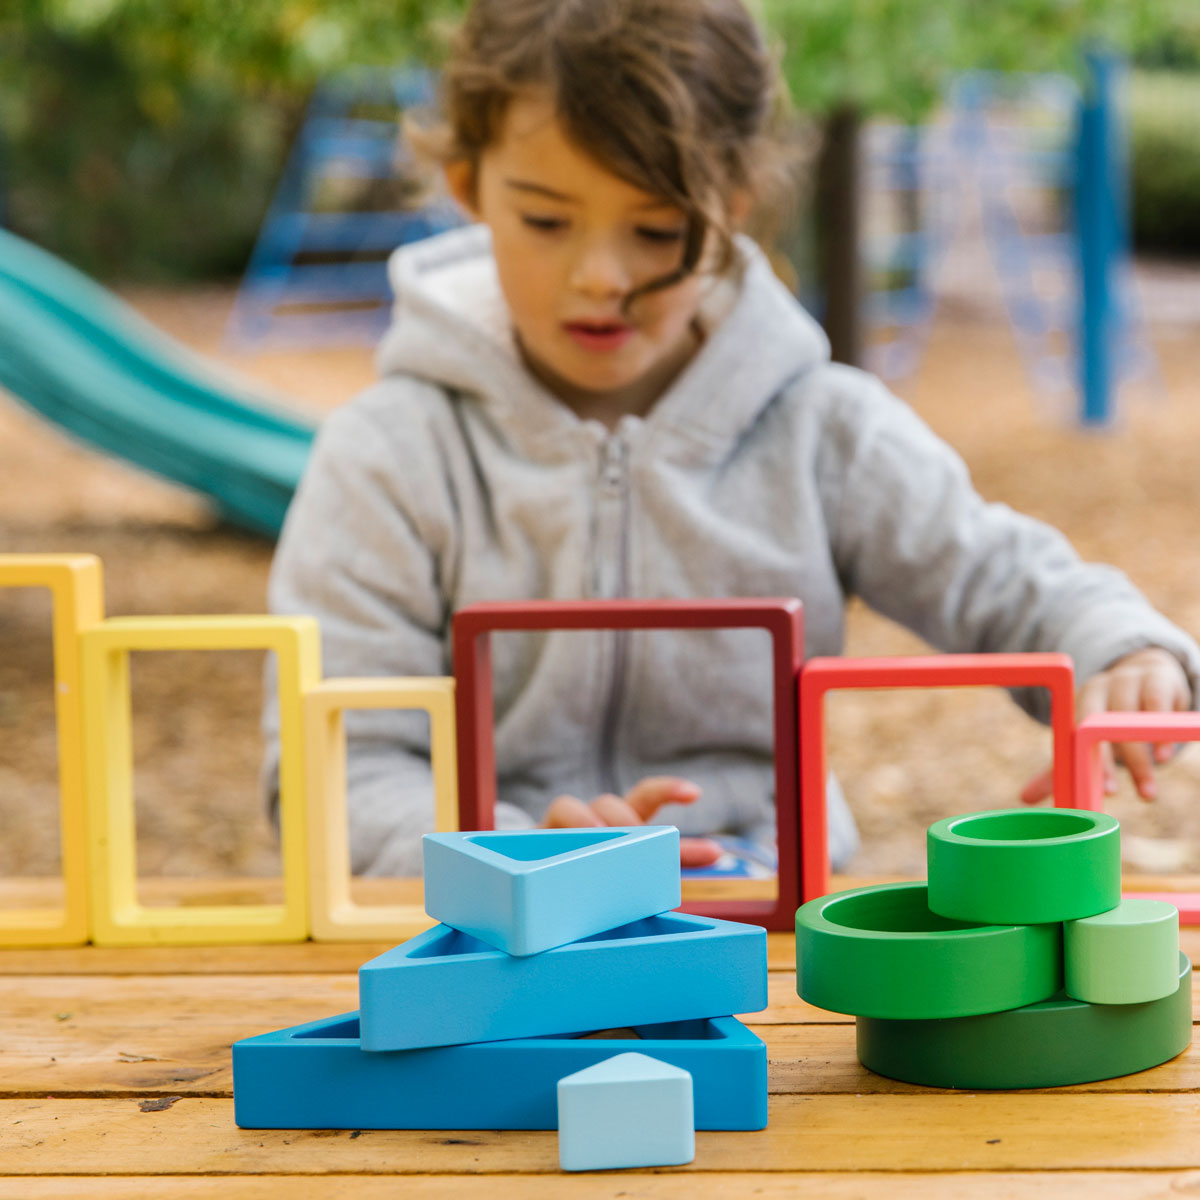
763 470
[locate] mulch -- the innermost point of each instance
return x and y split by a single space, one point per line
1129 496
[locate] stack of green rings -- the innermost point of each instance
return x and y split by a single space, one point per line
960 982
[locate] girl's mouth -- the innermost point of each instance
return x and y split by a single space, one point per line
599 336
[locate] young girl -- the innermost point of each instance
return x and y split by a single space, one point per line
601 390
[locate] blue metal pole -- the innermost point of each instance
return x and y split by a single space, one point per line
1100 236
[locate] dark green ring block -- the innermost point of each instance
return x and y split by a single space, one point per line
880 952
1024 866
1051 1044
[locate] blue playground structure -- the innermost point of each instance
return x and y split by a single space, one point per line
82 359
348 196
1045 160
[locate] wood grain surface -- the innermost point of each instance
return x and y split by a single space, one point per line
90 1035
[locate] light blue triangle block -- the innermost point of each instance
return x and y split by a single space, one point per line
445 987
528 890
316 1076
628 1111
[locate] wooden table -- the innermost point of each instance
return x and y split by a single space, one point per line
115 1081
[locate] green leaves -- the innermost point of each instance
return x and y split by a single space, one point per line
893 56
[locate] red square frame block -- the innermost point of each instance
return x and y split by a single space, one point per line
782 618
1089 778
1054 672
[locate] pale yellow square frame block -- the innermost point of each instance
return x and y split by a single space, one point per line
118 919
335 916
76 586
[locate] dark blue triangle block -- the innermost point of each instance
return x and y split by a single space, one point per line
445 987
316 1076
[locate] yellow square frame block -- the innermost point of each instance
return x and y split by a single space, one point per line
334 914
76 586
118 919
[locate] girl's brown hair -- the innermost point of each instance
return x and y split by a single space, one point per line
673 96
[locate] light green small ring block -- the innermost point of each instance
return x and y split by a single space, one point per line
1127 955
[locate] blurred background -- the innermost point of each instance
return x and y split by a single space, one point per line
997 207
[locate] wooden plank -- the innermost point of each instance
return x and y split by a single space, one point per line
104 1035
303 957
856 1185
944 1132
192 1058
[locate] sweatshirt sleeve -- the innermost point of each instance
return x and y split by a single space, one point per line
915 540
367 545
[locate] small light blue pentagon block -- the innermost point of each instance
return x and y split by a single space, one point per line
1128 955
316 1076
445 987
628 1111
528 890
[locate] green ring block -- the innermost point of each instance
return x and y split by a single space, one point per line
1051 1044
880 952
1127 955
1024 866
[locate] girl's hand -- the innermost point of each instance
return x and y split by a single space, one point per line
1148 680
636 807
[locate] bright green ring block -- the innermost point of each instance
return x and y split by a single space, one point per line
1024 866
1127 955
1051 1044
880 952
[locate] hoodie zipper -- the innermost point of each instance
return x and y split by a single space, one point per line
610 581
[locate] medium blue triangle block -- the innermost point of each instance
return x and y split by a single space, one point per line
316 1076
528 890
445 987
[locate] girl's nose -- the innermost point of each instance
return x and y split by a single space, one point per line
598 271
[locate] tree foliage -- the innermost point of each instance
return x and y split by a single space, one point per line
144 137
893 56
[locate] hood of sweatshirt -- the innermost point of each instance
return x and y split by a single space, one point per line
451 327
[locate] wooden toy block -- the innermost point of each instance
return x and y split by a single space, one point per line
781 618
1089 778
630 1110
880 952
445 987
1024 866
820 676
316 1076
334 914
525 891
1128 955
118 919
75 583
1055 1043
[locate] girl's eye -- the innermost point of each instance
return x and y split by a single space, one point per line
544 224
660 236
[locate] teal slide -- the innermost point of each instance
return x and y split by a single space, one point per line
84 360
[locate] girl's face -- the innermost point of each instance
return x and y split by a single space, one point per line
571 241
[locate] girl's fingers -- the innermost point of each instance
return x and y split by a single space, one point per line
569 812
1108 769
649 795
698 852
1094 698
1039 787
1136 758
612 810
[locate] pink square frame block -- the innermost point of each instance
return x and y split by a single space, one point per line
1089 778
781 618
1054 672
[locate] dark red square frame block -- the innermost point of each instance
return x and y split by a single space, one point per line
1055 672
781 618
1089 778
